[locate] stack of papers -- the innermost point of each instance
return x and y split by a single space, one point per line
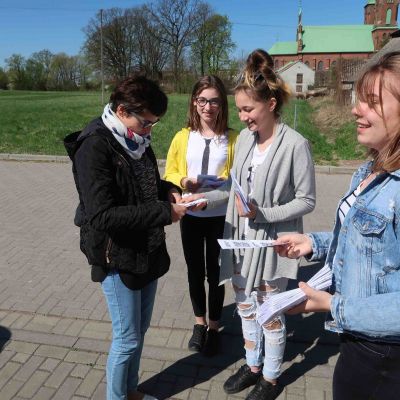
281 302
210 181
244 244
194 202
240 193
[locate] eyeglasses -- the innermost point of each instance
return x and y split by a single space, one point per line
214 102
145 122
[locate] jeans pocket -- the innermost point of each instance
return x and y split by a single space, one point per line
373 348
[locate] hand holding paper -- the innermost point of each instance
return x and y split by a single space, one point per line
240 195
284 301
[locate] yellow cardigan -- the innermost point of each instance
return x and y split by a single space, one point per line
176 166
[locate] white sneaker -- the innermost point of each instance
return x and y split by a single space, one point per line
148 397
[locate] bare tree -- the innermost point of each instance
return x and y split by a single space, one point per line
152 50
177 21
119 42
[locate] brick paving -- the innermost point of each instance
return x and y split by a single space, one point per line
54 326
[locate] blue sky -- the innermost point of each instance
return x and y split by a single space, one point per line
27 26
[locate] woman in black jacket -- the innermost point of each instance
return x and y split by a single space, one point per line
124 206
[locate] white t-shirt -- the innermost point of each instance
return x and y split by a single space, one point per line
216 164
257 159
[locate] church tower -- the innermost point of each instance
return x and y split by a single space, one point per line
383 15
299 36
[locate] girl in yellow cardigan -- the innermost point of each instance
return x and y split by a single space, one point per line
199 159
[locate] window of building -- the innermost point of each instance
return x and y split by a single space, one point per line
320 65
299 88
299 78
333 64
276 64
388 16
307 63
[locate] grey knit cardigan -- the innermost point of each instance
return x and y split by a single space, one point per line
284 191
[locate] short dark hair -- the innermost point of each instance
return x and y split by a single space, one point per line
138 94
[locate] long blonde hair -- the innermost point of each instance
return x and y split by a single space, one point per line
260 81
387 70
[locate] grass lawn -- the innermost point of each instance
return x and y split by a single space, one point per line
36 122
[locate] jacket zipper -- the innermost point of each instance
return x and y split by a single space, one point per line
108 250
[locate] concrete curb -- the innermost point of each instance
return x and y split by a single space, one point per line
321 169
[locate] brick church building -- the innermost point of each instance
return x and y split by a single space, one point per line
320 47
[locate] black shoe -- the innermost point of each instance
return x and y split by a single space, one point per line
211 344
242 379
264 390
196 342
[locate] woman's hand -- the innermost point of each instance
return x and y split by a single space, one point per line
253 209
192 197
293 245
190 184
317 301
174 196
177 212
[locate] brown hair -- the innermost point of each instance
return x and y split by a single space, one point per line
206 82
387 70
138 94
260 81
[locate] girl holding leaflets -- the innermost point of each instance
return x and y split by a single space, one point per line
273 165
199 159
363 250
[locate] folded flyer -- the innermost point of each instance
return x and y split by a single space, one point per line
240 193
244 244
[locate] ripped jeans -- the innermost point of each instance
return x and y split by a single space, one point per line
270 337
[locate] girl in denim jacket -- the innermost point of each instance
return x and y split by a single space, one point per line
364 249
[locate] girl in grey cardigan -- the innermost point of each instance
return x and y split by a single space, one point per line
273 164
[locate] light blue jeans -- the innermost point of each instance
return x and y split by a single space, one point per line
130 312
263 344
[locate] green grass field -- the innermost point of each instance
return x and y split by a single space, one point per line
36 122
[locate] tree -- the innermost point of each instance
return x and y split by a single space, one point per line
16 65
119 42
38 70
177 21
3 79
213 44
152 50
64 72
200 39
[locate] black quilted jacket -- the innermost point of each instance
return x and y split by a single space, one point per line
123 207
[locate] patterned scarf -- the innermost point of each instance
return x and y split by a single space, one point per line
134 144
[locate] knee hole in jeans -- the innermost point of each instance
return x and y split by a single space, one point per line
249 344
237 288
247 311
267 288
273 325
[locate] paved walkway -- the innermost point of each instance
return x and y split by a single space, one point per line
54 327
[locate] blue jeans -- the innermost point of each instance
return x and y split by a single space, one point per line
130 313
263 344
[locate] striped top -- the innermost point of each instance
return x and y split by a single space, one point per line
347 203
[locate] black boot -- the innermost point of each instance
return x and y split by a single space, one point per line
196 342
211 344
264 390
242 379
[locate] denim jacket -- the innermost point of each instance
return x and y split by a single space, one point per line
364 254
